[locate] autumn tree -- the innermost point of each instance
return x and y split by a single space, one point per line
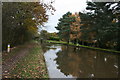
64 26
20 21
75 29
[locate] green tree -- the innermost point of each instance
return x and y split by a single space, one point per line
99 21
64 26
116 11
44 35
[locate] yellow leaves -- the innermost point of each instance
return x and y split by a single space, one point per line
36 9
75 27
30 26
114 21
32 29
29 22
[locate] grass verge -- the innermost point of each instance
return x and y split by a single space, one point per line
62 42
32 65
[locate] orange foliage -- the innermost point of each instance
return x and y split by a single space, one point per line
75 27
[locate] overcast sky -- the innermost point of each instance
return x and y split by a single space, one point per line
62 7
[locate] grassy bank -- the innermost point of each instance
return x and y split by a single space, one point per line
62 42
32 65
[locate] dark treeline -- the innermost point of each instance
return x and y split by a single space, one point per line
20 21
99 26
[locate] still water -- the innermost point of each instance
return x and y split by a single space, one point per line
69 62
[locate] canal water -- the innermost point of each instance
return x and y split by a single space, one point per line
70 62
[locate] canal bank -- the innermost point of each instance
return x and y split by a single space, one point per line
89 47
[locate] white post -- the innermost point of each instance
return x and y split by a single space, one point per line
8 49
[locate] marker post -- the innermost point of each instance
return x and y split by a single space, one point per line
8 49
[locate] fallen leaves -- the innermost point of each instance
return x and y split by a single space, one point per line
32 66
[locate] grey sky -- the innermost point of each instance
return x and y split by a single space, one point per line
63 6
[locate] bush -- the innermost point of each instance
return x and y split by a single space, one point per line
54 38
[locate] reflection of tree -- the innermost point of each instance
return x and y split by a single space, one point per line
105 65
75 62
85 63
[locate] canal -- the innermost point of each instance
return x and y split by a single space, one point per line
70 62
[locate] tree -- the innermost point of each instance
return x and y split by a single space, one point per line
64 26
20 21
116 12
75 28
99 23
44 35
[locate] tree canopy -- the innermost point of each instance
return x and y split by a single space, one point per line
20 21
100 25
64 26
102 22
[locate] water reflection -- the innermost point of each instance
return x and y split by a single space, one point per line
67 61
